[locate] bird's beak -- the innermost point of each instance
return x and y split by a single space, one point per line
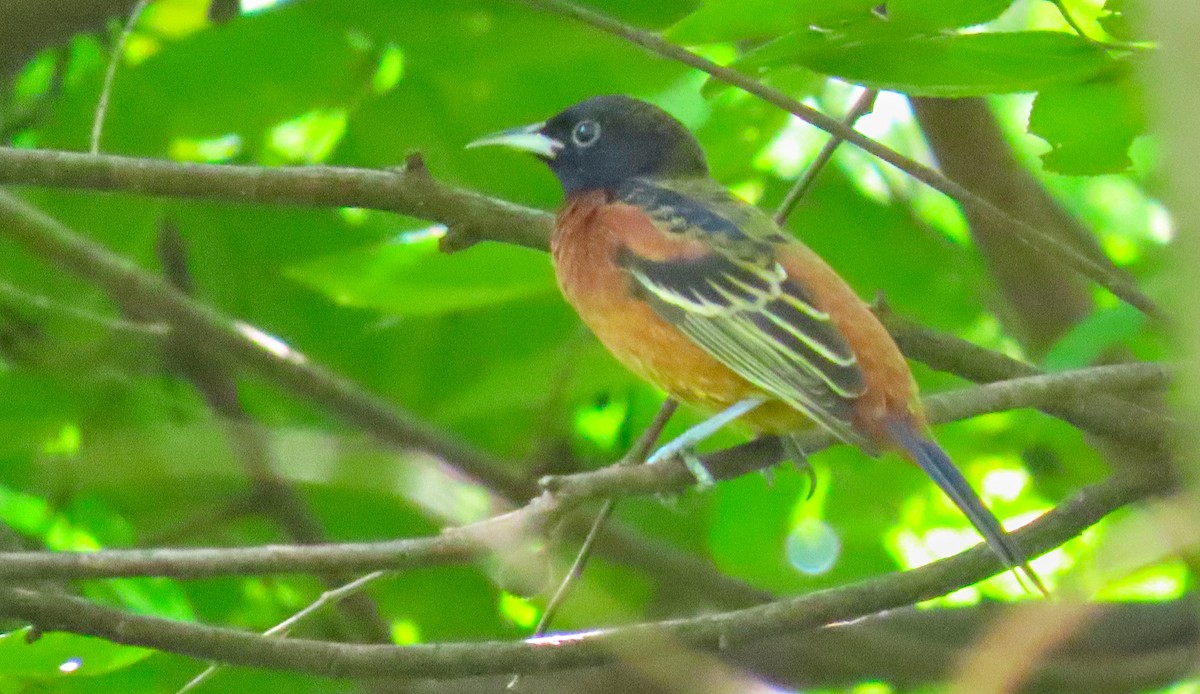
527 138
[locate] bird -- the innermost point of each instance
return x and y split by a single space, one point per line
705 296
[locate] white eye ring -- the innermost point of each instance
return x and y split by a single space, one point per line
586 133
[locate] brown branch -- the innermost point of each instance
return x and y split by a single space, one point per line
861 107
1126 648
1042 301
412 191
409 190
565 493
1104 274
291 371
709 632
277 499
1103 415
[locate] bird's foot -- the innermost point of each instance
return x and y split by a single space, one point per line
682 448
684 444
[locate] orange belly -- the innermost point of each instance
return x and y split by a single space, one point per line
602 293
588 238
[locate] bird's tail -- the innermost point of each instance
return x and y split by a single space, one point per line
933 460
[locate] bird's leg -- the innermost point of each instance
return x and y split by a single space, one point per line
682 445
796 453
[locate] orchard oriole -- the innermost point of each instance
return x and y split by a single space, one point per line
705 296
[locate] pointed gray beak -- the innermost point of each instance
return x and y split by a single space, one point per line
526 138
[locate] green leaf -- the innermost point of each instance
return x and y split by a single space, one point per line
252 77
650 15
1122 21
731 20
416 279
1089 126
940 65
1100 332
939 14
60 655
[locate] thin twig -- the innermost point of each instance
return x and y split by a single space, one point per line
862 106
118 54
636 455
218 387
1099 270
329 597
45 304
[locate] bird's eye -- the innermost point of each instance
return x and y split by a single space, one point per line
586 133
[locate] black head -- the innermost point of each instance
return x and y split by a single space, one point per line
605 140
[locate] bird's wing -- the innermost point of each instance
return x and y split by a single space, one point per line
738 303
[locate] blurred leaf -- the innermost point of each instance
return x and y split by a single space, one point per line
732 20
1089 126
416 279
940 65
651 15
1123 20
242 77
1094 336
56 656
753 545
938 14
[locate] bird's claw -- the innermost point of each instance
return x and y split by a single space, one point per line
799 458
810 473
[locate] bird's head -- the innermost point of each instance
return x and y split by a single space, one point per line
599 143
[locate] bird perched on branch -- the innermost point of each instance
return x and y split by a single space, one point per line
705 296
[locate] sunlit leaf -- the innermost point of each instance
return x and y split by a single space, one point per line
938 14
952 65
57 655
414 279
1089 126
730 20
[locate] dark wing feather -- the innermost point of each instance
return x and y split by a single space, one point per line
758 321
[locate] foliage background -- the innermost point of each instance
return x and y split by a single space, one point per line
106 443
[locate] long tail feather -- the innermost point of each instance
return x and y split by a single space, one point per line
934 461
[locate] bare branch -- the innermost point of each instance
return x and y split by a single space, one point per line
861 106
470 542
481 217
408 190
793 615
1103 415
1104 274
329 597
278 499
110 74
